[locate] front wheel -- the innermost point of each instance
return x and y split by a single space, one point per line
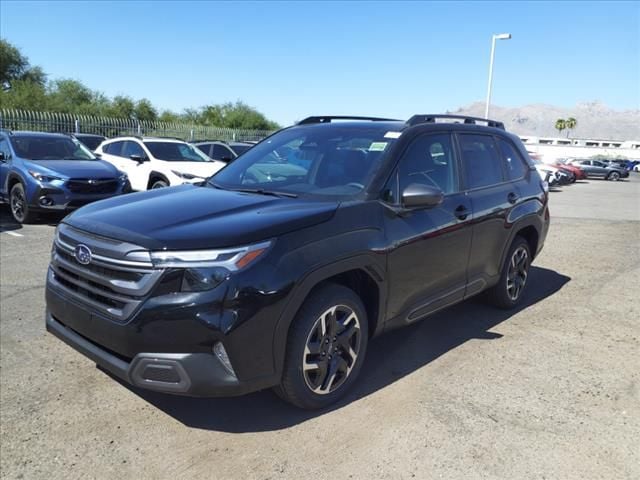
19 206
509 290
325 349
159 184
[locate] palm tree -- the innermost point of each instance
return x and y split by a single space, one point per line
570 124
561 124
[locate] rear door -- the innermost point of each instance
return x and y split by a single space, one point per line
427 262
492 196
112 153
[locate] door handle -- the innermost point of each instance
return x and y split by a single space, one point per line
461 212
512 198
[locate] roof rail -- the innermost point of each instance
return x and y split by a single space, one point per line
329 118
431 118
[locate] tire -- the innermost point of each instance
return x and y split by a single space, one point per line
508 292
158 184
307 379
18 204
613 176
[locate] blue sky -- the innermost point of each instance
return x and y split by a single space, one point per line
290 59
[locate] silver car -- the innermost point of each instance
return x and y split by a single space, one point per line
596 168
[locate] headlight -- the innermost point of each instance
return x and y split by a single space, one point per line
186 176
42 177
231 259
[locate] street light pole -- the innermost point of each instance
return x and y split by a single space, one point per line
501 36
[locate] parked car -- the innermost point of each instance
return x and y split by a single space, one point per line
636 167
223 151
250 281
596 168
578 173
158 162
89 140
548 173
52 172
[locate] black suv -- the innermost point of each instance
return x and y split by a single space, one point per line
278 270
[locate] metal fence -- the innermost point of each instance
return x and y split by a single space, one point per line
113 127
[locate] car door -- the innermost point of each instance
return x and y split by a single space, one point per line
5 166
599 168
138 171
427 261
112 153
492 197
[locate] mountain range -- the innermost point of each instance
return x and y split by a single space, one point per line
595 120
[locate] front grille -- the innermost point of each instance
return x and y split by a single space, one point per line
110 285
90 186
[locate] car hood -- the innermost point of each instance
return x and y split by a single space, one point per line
74 168
201 169
197 217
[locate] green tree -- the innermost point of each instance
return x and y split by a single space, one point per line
70 96
14 66
168 116
561 125
24 95
122 106
145 111
570 124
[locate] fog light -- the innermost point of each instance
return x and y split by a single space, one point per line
221 353
46 201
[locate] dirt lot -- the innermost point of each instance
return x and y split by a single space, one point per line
549 391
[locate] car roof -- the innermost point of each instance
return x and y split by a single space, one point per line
87 135
28 133
145 139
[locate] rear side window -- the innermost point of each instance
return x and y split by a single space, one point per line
482 162
220 152
113 148
513 162
205 148
429 160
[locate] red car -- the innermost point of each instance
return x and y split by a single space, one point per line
578 172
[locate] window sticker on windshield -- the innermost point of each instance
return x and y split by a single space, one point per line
392 134
377 146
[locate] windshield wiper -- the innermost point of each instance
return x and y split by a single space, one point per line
261 191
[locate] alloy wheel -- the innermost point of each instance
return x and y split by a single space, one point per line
615 176
518 272
17 204
331 350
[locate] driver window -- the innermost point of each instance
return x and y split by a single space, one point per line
429 160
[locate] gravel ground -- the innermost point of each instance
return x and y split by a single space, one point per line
549 391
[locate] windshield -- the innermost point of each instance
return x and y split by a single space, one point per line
91 142
176 152
41 147
322 160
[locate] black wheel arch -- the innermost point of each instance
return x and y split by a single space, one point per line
154 176
359 273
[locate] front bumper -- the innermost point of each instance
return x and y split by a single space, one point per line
50 198
193 374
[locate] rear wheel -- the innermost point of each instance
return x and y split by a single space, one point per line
325 349
614 176
509 290
19 206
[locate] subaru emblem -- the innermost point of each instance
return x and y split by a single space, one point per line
83 254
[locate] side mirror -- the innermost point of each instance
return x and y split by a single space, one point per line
97 154
418 195
226 159
138 158
3 157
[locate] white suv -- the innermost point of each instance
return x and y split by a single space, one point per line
157 162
